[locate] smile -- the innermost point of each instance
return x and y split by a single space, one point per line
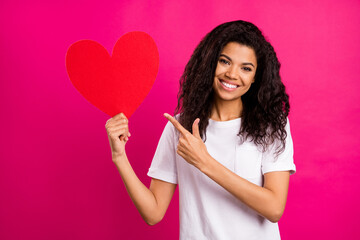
227 85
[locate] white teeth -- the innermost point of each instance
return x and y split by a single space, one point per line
228 85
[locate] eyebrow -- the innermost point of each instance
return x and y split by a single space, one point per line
246 63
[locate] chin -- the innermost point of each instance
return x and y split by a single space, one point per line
223 97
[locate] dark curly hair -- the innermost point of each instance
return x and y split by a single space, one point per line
265 105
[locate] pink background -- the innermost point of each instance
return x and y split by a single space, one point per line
57 180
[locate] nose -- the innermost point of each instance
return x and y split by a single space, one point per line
231 72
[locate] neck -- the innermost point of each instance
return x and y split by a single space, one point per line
226 110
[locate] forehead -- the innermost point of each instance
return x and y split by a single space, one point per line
239 53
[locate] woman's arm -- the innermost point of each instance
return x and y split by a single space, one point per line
269 200
151 203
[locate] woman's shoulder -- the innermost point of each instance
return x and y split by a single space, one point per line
169 127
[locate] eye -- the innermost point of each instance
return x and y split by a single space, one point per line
221 60
247 69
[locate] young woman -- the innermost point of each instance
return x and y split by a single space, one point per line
229 149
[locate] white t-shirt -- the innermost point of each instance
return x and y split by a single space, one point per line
207 210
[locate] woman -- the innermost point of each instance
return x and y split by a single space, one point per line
229 149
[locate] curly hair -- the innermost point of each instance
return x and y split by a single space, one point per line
265 105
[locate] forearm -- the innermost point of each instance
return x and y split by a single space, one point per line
141 196
260 199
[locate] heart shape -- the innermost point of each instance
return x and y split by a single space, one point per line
117 83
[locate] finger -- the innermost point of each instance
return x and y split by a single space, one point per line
181 154
121 124
109 122
116 135
177 125
115 128
119 116
117 132
116 123
119 127
124 138
195 128
122 120
181 148
183 141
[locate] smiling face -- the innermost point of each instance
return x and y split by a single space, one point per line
235 72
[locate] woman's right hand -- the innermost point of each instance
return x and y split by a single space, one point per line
117 129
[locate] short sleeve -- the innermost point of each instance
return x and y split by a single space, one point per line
284 161
163 165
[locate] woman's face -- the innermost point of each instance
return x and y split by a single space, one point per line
235 72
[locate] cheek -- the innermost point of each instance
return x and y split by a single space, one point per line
220 70
215 82
250 82
249 78
248 85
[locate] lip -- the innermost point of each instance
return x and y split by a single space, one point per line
226 88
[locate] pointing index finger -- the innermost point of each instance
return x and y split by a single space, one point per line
176 124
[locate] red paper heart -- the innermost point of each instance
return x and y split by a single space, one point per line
117 83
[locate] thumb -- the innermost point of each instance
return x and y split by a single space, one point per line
195 128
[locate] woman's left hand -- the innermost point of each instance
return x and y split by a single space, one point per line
190 146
